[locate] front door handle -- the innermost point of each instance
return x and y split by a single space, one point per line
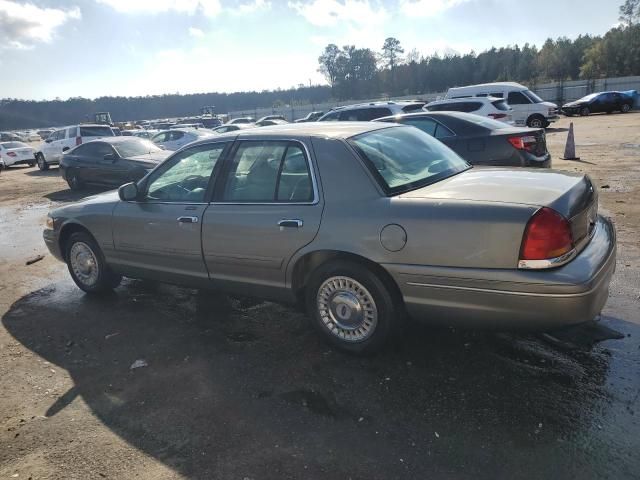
290 223
188 219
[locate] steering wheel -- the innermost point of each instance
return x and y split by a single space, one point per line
191 182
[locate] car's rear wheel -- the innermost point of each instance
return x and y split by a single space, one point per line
42 163
32 164
87 265
584 111
352 308
625 108
536 121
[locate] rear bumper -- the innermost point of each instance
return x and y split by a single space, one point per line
513 299
531 160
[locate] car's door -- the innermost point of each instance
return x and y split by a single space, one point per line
266 208
597 104
53 150
81 162
158 235
521 107
110 168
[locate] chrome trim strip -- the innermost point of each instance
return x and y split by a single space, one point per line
548 262
502 292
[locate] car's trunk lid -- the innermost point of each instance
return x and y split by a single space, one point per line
539 148
571 195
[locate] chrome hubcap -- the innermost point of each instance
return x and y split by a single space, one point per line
84 263
347 309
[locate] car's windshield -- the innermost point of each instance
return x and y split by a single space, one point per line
133 147
405 158
532 96
588 98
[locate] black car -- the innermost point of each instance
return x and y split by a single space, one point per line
480 140
602 102
110 161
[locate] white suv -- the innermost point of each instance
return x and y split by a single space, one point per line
51 150
364 112
491 107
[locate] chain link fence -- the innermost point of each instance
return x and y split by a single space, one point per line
556 92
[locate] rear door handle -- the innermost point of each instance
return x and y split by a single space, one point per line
290 223
188 219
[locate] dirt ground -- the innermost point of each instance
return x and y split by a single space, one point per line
242 389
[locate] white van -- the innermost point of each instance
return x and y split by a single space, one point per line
528 108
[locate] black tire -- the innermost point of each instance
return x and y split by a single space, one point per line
625 108
103 280
32 164
42 163
536 121
585 112
73 181
370 290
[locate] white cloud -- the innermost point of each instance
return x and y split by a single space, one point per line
196 32
24 24
427 8
328 13
210 8
250 7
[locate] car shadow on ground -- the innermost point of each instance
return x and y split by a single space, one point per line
237 388
556 129
68 195
51 172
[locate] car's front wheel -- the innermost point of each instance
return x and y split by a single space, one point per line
584 111
536 121
42 163
87 266
625 108
352 307
73 181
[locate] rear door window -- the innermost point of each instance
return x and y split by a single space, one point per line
96 131
443 132
268 172
72 132
331 117
500 105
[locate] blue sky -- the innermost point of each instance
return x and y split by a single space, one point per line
91 48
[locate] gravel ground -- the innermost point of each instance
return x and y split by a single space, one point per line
241 389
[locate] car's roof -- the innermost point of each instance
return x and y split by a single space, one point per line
464 99
492 84
387 103
305 130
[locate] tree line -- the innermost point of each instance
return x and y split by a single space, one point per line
356 73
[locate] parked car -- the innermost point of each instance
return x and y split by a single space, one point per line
44 133
270 122
31 136
310 117
601 102
401 224
110 161
528 108
270 117
365 112
64 139
235 121
232 128
491 107
480 140
175 139
16 153
10 137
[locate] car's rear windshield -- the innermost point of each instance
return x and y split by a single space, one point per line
403 158
500 104
9 145
96 132
485 122
133 147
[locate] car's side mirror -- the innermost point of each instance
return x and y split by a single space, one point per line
128 192
111 157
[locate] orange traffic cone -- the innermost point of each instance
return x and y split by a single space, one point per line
570 147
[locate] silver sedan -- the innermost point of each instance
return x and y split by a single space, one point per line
365 224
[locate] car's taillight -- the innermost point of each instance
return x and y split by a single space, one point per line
78 140
496 116
11 154
524 142
546 237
